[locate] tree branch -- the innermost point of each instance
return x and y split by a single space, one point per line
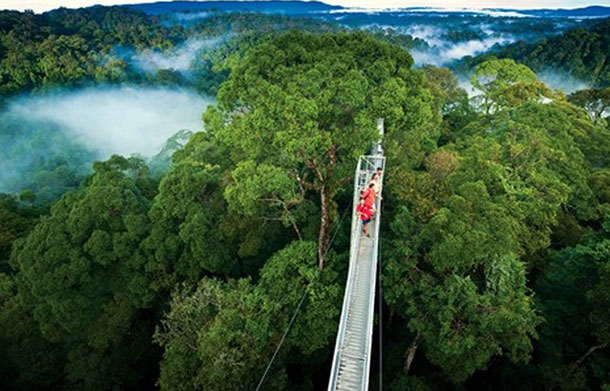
589 352
302 182
287 214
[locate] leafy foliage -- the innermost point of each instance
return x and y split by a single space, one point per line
297 111
596 102
84 277
478 215
505 84
224 333
191 230
574 296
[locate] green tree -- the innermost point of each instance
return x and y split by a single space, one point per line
64 59
298 110
574 295
193 233
15 222
478 216
445 87
459 283
504 84
225 333
29 361
82 272
453 100
595 101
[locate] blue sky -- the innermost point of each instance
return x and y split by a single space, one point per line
45 5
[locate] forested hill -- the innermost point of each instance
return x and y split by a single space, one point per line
581 53
65 47
95 45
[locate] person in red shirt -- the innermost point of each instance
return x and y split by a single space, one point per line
369 196
364 211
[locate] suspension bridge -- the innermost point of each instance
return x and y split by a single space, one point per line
352 357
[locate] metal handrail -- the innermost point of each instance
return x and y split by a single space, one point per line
372 277
354 245
364 169
366 166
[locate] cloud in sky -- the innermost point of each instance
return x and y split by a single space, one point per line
45 5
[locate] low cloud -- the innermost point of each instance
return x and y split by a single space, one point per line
191 16
442 51
430 34
561 80
445 52
181 58
74 128
122 120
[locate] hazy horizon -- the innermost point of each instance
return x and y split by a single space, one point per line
42 6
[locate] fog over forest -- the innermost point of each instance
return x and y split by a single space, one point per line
180 58
115 120
102 121
127 118
441 51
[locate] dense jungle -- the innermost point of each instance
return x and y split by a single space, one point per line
173 180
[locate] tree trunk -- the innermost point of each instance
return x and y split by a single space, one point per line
324 226
326 203
410 354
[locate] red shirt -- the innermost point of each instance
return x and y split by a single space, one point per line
364 211
369 196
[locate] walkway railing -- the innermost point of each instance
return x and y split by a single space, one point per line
351 360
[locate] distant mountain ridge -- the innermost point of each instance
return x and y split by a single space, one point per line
280 7
594 11
295 7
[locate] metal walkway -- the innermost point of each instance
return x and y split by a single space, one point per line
351 361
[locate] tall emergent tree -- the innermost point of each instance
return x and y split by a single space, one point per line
504 84
298 110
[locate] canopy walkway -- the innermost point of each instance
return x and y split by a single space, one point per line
351 361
